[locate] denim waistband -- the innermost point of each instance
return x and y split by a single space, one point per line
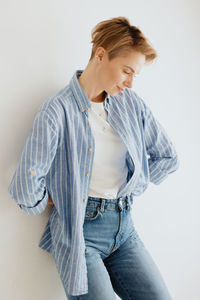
103 203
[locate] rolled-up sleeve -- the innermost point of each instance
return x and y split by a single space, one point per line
28 186
163 158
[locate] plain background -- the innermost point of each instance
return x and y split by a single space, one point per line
43 42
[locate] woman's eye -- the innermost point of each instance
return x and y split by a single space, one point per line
127 73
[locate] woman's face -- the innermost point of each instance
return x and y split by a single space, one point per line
117 74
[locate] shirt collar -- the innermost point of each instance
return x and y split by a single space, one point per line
82 100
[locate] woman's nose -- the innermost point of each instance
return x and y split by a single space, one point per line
129 83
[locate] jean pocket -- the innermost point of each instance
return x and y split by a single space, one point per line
92 213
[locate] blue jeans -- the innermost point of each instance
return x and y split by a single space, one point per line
117 261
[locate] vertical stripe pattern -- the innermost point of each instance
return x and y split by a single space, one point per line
56 162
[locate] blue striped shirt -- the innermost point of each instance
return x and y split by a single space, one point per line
56 161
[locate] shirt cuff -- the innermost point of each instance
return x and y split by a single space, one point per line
39 207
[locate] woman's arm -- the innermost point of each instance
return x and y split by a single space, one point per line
28 186
50 202
163 158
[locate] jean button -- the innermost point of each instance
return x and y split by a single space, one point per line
120 204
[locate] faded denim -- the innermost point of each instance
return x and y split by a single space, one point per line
117 261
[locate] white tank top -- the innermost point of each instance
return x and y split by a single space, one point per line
109 169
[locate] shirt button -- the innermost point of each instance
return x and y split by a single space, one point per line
88 174
89 123
82 108
104 128
90 149
88 108
84 200
32 172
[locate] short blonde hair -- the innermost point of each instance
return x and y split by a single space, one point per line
119 37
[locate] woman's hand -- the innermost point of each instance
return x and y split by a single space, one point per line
50 202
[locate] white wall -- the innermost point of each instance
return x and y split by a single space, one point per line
43 42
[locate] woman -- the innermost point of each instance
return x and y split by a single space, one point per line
93 146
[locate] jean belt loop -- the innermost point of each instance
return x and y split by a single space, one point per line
102 205
128 202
